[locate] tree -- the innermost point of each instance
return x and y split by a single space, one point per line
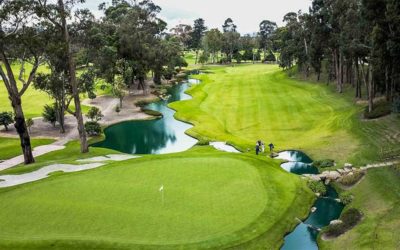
183 33
119 91
128 34
94 114
249 45
267 30
50 114
229 26
24 42
6 118
58 15
231 41
213 40
57 86
197 35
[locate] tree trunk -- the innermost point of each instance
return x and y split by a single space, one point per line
15 98
197 55
357 80
387 84
22 130
73 81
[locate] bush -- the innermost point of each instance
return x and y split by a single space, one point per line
350 218
50 114
152 112
381 108
346 198
92 128
6 118
203 143
324 163
117 109
94 114
142 103
317 187
351 179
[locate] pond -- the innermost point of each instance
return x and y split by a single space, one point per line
305 235
160 136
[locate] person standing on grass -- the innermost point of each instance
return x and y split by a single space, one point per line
262 147
271 147
257 148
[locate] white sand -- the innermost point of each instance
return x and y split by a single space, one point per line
222 146
14 180
41 150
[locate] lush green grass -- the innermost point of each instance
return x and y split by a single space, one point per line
212 199
243 104
10 147
378 198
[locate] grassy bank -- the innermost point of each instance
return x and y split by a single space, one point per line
378 198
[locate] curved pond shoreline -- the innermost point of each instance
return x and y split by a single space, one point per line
158 136
305 235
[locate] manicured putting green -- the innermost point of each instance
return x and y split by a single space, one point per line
210 200
203 199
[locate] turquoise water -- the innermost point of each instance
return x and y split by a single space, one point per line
304 237
160 136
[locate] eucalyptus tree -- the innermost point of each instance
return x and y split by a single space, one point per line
231 41
22 40
197 35
213 40
128 33
267 30
59 14
182 32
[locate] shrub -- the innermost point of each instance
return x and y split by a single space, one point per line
142 103
94 114
92 128
381 108
346 198
117 109
350 218
351 179
50 114
203 143
152 112
324 163
6 118
317 187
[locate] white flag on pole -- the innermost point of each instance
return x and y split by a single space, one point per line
161 188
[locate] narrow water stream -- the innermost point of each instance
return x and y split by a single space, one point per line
160 136
304 237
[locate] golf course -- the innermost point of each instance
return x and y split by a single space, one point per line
162 125
212 199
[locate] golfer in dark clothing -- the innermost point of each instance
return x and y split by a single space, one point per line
271 147
257 148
